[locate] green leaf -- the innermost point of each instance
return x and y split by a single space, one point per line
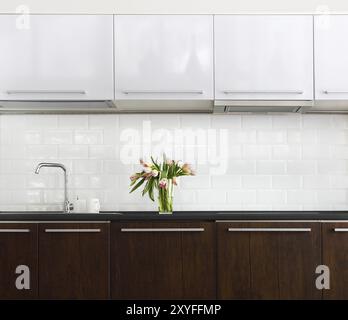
147 186
151 191
137 185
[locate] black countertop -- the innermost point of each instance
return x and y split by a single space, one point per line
179 215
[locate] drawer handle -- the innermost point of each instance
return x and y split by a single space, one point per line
340 229
163 92
269 229
162 229
334 92
263 92
14 230
72 230
46 92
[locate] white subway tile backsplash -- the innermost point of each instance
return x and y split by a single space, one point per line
223 122
260 152
41 152
332 136
271 136
316 152
340 152
244 197
73 121
270 167
102 152
287 182
58 137
204 196
316 182
301 197
195 182
256 122
256 182
73 152
271 197
335 197
302 167
87 166
286 121
256 162
286 152
241 167
88 137
317 121
226 182
340 181
303 136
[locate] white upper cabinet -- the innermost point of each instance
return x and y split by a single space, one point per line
163 57
56 57
263 57
331 57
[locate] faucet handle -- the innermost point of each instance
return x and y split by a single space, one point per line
71 206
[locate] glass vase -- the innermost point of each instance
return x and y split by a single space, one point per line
165 198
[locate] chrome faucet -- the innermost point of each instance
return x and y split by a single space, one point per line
67 206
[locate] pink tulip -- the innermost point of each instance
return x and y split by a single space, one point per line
163 183
133 177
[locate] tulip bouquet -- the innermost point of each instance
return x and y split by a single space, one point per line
162 176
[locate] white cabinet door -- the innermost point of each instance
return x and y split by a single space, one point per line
56 57
331 57
263 57
163 57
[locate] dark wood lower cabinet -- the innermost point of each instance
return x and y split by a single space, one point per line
74 261
163 260
335 256
268 260
18 247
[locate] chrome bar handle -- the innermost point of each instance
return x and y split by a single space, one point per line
72 230
262 91
340 229
335 92
162 229
14 230
269 229
46 92
163 92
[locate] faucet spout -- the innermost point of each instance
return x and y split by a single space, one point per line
67 206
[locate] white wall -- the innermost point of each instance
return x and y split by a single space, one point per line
177 6
279 162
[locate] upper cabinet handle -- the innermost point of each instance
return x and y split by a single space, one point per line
162 229
269 229
334 92
46 92
14 230
72 230
262 91
340 229
163 92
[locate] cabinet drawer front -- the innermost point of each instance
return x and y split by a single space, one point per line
18 247
57 57
335 253
263 57
176 259
268 260
164 57
331 57
74 260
